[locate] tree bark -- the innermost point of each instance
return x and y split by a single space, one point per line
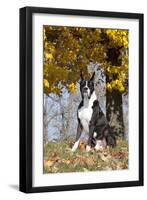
114 104
45 119
114 112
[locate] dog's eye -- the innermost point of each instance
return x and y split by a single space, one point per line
90 83
83 83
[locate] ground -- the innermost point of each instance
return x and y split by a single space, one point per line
58 158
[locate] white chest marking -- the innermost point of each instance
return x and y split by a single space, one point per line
85 112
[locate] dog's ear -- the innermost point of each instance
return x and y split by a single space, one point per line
92 77
81 76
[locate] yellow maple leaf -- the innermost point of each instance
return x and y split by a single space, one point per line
49 56
46 83
72 87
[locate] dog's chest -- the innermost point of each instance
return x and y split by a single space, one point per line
85 114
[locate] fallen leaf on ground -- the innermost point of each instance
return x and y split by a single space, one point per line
105 157
119 155
66 161
54 169
48 163
82 146
55 157
84 161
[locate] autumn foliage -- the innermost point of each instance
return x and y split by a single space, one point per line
68 50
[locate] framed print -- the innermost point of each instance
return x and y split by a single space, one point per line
81 99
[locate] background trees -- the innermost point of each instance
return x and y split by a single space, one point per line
68 50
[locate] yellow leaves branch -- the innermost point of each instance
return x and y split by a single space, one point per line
69 49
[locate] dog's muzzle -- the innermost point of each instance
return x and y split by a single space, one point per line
85 90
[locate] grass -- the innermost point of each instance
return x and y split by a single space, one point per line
58 158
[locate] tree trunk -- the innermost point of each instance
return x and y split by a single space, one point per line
115 111
69 116
45 119
114 105
63 119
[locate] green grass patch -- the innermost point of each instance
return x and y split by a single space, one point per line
59 158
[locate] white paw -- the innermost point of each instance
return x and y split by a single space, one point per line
99 145
88 148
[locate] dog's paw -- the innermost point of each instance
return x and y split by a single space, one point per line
100 144
88 148
98 147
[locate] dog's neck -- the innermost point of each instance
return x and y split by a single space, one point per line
89 102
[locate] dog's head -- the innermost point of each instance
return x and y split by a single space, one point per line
87 86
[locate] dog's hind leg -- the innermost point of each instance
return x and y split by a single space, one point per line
79 132
110 137
100 144
111 140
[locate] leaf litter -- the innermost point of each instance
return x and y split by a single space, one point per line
59 158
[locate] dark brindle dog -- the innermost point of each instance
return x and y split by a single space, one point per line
91 119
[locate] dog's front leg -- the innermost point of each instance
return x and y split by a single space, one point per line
91 131
79 131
